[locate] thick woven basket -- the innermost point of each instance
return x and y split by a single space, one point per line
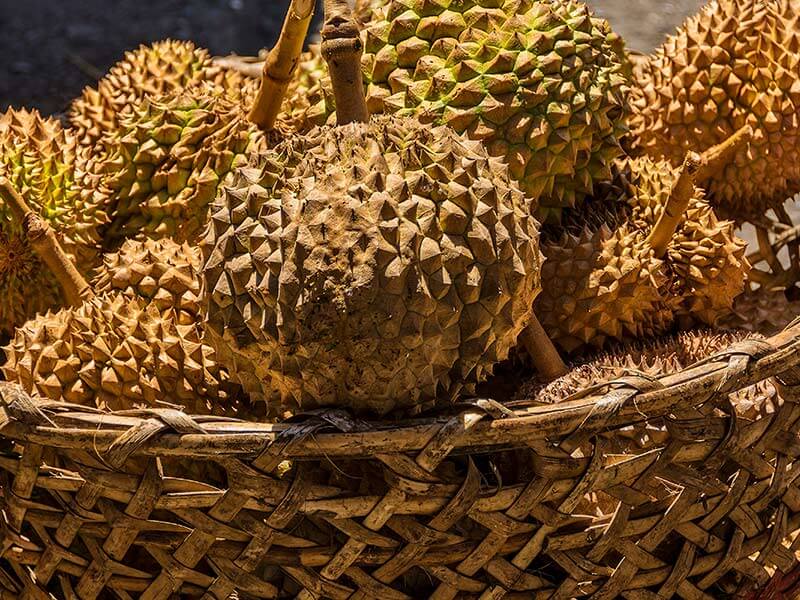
642 489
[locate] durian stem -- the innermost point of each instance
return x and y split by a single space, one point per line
342 49
679 197
543 353
716 157
249 66
696 167
43 240
281 63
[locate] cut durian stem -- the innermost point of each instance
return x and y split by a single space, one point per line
543 353
42 239
715 158
342 50
249 66
281 64
677 203
696 167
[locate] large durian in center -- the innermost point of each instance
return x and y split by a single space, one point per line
372 266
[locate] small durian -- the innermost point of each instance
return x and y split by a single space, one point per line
704 257
117 352
374 265
733 64
161 271
44 164
601 281
539 83
151 70
167 161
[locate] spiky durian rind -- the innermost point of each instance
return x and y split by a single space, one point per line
116 352
373 266
733 63
541 84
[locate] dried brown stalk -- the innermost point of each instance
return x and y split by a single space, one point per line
43 240
543 353
679 197
342 49
249 66
696 168
281 63
716 157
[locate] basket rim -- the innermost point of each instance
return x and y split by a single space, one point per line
322 433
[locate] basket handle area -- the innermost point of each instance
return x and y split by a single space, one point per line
334 433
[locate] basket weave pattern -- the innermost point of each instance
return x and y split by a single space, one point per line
701 507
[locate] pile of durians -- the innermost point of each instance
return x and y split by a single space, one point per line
378 222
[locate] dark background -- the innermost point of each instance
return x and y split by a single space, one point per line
51 49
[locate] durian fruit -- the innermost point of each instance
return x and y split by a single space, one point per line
118 352
161 271
605 278
705 259
374 265
732 64
663 356
167 161
151 70
540 83
601 281
44 164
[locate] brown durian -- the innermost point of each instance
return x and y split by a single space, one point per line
601 282
732 64
116 352
373 266
161 271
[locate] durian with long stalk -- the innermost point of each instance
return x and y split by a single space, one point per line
40 236
43 164
172 154
704 256
647 252
130 345
375 265
153 70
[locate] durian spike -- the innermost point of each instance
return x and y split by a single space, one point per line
543 353
716 157
281 63
342 49
43 240
679 197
